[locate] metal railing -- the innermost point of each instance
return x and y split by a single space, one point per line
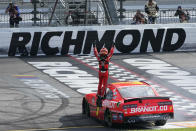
165 16
94 15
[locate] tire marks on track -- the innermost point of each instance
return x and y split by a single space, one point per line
22 101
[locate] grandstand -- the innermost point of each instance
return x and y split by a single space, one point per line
89 12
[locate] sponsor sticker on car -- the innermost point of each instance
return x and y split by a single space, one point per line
148 109
109 104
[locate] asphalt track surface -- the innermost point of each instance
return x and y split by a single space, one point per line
33 99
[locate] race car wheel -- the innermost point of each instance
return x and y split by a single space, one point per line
160 122
108 118
85 108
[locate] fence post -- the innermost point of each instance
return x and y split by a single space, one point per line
85 20
121 10
35 12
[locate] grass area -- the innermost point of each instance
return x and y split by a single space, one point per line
179 129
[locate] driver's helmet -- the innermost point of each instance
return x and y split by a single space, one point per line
103 51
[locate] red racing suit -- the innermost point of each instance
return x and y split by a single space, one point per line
103 70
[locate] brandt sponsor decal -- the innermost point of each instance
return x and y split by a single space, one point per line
166 71
70 75
148 109
126 41
109 104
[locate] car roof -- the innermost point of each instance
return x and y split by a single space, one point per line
131 83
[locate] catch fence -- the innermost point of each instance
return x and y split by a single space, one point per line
77 13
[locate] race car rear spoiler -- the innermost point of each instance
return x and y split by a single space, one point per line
145 98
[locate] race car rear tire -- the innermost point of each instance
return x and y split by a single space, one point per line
108 118
160 122
85 108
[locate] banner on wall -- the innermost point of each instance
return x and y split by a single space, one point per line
78 40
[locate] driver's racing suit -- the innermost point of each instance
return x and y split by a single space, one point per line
103 70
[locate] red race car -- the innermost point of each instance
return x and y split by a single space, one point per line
129 102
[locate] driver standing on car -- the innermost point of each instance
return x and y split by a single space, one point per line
103 58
